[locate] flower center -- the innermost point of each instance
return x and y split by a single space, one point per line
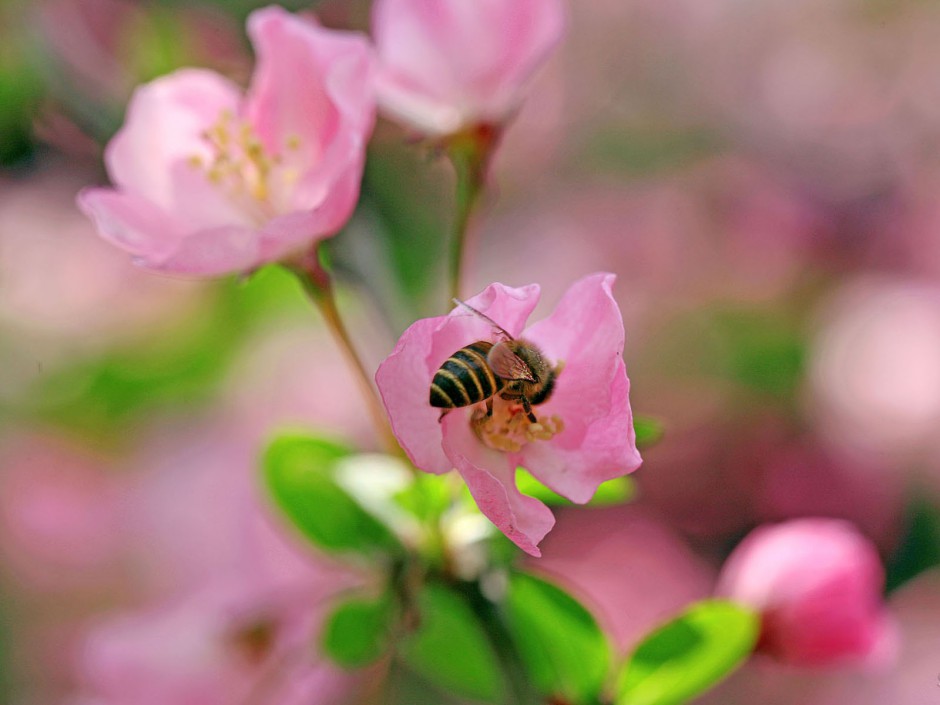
238 162
508 428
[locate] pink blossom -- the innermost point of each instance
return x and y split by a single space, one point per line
584 435
208 182
446 65
817 584
625 564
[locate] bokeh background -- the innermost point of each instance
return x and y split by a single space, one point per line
763 177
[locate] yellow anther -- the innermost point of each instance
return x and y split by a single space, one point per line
509 429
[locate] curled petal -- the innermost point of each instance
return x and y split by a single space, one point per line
133 223
490 476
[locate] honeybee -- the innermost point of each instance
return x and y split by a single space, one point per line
515 369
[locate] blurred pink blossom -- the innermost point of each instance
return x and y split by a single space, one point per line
229 601
292 374
447 65
911 680
103 47
60 286
629 567
587 418
817 584
59 519
875 368
218 646
211 183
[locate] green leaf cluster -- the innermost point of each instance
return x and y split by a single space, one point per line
534 643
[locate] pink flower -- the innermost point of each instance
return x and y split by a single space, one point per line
208 182
817 584
584 435
451 64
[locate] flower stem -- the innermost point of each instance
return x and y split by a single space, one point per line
470 153
318 286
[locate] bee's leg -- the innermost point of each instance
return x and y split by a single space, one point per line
443 414
527 407
489 407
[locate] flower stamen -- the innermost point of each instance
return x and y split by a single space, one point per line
239 162
508 428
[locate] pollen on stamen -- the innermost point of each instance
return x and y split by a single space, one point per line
509 429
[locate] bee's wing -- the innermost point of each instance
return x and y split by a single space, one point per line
498 329
506 364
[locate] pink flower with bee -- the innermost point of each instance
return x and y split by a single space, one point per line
552 397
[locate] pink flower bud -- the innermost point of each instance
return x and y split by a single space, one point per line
210 182
817 584
450 64
583 434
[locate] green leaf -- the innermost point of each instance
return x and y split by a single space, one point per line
563 649
358 631
616 491
920 547
649 431
298 472
688 655
451 649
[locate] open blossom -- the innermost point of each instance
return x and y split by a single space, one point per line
817 584
209 182
446 65
584 430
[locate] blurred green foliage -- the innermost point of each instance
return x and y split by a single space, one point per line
413 208
357 632
21 91
761 350
649 150
920 545
106 396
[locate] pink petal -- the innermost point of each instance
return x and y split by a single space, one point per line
309 84
446 63
330 191
607 448
132 223
163 127
490 476
591 394
216 251
404 381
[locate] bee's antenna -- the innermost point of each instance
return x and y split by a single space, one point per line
484 317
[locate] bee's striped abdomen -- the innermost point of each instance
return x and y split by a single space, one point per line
465 378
